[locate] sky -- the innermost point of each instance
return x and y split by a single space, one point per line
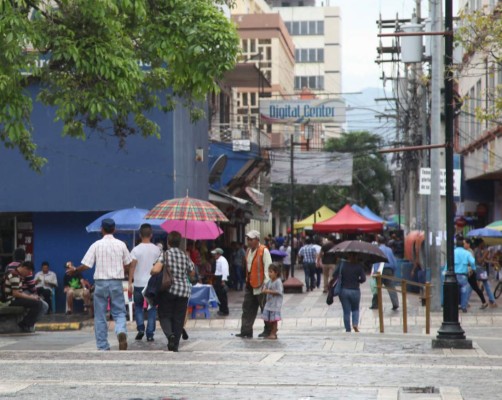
360 40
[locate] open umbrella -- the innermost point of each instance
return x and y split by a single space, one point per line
496 225
484 232
367 251
193 230
126 220
186 209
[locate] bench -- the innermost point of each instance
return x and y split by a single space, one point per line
10 317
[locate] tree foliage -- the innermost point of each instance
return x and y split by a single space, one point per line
370 180
480 35
103 64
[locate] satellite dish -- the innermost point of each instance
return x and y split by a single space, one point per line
217 169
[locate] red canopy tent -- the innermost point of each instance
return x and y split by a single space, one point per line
348 221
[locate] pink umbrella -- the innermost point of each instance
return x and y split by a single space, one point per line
192 229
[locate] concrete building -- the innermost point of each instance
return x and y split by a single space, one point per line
316 33
480 143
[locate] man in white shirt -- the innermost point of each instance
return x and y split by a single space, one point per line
111 257
45 281
143 256
221 276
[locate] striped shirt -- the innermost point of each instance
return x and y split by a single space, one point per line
12 282
109 255
180 266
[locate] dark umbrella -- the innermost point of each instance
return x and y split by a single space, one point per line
367 251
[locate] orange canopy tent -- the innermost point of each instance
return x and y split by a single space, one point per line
348 221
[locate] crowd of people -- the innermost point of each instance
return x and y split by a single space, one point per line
257 267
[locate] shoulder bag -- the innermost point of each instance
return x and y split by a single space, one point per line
334 287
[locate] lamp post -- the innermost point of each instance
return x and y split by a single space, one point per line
450 334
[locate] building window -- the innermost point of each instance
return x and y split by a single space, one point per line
311 82
309 55
305 28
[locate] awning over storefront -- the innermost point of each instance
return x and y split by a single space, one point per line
246 75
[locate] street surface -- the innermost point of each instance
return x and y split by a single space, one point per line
314 358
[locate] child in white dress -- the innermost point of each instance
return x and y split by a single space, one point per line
274 291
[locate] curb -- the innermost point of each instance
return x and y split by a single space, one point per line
59 326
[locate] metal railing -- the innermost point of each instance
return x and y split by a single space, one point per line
425 295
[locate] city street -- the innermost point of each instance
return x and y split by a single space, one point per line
314 358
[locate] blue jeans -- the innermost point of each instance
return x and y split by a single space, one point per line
465 290
309 270
108 289
139 314
239 275
488 291
350 299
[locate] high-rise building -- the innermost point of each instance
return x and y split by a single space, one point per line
316 33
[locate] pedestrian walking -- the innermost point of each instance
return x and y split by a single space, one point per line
173 302
274 291
463 260
481 255
143 256
258 260
286 262
351 272
307 256
389 269
110 257
220 281
327 261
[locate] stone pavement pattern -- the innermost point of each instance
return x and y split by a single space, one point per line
314 358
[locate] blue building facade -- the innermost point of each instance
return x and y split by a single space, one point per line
47 212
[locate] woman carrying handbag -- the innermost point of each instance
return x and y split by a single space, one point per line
172 303
351 275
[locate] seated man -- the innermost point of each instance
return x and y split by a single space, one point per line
45 281
76 287
28 286
16 297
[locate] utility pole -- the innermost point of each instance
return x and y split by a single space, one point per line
450 334
436 221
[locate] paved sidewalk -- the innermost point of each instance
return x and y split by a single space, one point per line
314 358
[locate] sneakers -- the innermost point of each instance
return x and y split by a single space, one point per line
244 335
150 339
140 335
483 306
122 337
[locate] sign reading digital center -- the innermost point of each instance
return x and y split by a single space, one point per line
302 111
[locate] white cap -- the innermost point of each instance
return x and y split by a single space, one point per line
253 234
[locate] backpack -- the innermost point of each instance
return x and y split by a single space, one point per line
3 276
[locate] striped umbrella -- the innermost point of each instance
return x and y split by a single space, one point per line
186 209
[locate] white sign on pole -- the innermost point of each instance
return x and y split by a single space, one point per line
424 186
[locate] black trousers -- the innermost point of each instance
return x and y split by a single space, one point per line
172 311
221 292
474 285
33 308
252 302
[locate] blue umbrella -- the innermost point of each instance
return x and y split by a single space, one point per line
484 232
126 220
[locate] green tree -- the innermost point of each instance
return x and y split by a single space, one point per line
89 59
371 179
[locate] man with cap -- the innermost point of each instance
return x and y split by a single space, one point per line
110 256
220 279
258 260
